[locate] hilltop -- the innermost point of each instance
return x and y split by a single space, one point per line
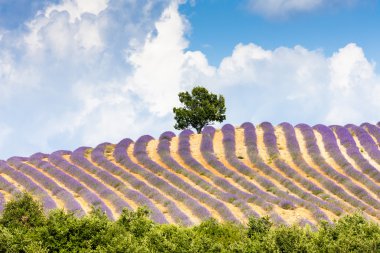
295 175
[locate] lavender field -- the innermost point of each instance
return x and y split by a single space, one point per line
294 174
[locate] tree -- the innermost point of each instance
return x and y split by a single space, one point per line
200 108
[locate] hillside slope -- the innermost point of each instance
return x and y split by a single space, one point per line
298 174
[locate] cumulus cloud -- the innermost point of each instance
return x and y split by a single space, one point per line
84 74
64 80
282 8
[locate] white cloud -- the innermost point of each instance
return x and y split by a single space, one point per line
350 67
109 74
76 8
158 64
65 80
5 132
297 85
281 8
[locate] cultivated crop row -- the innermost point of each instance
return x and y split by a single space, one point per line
298 174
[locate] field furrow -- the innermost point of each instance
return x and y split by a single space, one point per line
294 175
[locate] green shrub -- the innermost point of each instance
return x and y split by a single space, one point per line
352 233
23 212
136 222
258 227
60 231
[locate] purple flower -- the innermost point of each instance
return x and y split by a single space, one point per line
372 130
353 151
366 141
164 152
152 169
126 173
7 186
231 193
314 152
332 148
29 185
71 183
70 203
270 139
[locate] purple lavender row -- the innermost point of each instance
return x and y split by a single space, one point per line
70 203
250 140
262 198
70 183
266 199
29 185
232 195
229 143
297 157
332 148
163 151
366 141
315 154
79 159
270 141
152 169
230 154
106 172
372 130
121 156
97 186
7 186
353 151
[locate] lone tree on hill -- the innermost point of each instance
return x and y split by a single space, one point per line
200 108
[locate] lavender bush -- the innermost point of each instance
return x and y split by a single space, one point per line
270 142
154 169
126 171
7 186
100 188
78 159
71 183
230 194
207 150
332 148
353 151
66 197
366 142
315 154
297 157
250 140
373 130
163 151
29 185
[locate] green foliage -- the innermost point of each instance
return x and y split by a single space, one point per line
200 108
136 222
212 236
288 239
135 232
349 234
258 227
22 212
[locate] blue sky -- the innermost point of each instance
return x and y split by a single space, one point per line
217 26
77 73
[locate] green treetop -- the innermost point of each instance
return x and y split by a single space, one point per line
200 108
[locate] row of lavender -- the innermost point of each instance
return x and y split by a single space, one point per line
112 185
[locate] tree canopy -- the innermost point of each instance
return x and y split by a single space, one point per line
200 108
